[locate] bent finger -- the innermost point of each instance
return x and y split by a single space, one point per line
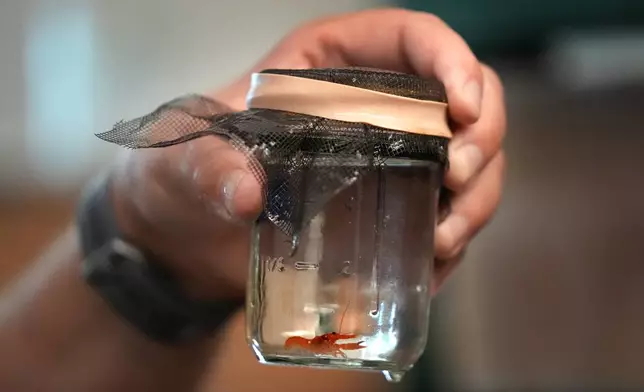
475 145
471 210
407 41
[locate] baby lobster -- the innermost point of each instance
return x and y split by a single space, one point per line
324 344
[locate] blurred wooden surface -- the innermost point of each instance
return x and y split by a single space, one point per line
27 226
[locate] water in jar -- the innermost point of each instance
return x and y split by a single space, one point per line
354 293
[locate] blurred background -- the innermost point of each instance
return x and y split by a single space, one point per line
551 294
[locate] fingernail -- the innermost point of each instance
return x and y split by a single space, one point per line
229 188
473 93
465 161
453 231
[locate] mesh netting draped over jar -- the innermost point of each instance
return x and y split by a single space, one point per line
301 161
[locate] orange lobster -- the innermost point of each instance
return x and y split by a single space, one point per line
325 343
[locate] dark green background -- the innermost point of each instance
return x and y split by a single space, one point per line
496 28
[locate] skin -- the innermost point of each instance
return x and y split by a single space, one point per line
191 205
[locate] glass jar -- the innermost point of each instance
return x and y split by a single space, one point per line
354 294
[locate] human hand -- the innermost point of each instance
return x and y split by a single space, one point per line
189 203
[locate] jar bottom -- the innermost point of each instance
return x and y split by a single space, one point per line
390 370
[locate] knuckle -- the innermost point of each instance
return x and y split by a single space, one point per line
449 255
395 13
490 204
492 79
428 17
501 172
454 254
481 202
309 31
501 158
302 33
474 68
497 136
498 122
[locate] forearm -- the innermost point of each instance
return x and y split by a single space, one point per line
57 334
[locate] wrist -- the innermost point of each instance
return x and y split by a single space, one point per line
139 287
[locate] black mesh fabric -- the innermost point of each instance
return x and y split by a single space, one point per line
301 161
389 82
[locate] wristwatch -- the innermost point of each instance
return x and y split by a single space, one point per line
134 286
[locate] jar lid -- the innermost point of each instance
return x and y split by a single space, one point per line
384 99
309 134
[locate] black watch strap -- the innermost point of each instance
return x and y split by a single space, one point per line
138 290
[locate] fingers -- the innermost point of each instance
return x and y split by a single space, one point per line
406 41
393 39
435 49
476 171
471 210
473 146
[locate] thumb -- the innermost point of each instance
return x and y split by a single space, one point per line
224 178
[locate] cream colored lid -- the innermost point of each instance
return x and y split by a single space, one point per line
347 103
